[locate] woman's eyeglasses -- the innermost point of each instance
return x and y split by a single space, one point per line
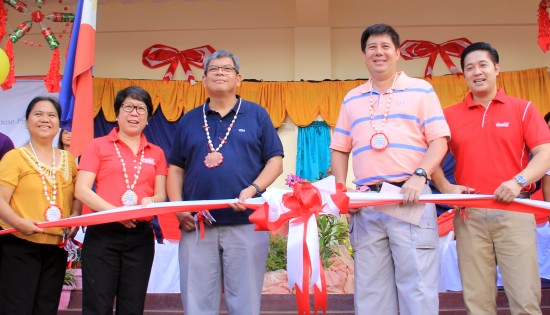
142 110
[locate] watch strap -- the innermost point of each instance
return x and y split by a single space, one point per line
421 172
521 180
258 190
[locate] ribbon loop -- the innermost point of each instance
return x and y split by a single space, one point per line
200 217
417 49
301 208
160 55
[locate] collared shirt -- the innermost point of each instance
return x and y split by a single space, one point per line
415 118
19 172
101 158
251 143
492 145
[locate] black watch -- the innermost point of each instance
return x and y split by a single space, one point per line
421 172
258 191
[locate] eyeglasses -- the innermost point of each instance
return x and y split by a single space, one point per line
227 69
142 110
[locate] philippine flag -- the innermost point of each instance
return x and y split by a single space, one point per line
76 95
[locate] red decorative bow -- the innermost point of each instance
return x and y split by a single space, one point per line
160 55
416 49
301 207
200 217
544 25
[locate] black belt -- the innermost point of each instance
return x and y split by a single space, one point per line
376 187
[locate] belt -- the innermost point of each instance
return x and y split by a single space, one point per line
376 187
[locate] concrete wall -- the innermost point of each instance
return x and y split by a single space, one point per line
286 40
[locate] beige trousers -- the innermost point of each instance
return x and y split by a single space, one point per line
396 263
487 238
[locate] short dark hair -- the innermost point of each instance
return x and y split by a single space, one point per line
50 99
135 92
376 30
221 54
547 117
493 54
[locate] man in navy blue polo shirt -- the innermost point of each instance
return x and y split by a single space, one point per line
225 148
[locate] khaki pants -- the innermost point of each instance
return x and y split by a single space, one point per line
487 238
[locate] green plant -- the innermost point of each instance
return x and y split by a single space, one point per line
333 231
277 253
69 279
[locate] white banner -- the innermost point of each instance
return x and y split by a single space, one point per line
13 104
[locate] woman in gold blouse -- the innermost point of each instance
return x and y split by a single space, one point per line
36 185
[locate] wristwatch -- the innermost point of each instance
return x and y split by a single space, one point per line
421 172
521 180
258 191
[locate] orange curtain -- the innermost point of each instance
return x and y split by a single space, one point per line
304 101
533 85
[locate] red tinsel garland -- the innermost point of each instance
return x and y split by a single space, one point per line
53 77
544 25
10 79
2 21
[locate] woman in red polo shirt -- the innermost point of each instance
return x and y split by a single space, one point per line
126 170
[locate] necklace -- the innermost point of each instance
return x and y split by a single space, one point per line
129 197
379 141
53 212
214 158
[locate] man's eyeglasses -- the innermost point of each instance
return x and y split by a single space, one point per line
225 69
142 110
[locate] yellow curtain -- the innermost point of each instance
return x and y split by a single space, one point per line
450 89
533 85
304 101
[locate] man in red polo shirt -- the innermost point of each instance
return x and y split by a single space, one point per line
492 136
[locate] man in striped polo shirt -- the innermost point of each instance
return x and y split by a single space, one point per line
394 128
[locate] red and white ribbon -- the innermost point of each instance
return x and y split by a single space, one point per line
200 217
160 55
356 200
301 208
416 49
134 212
